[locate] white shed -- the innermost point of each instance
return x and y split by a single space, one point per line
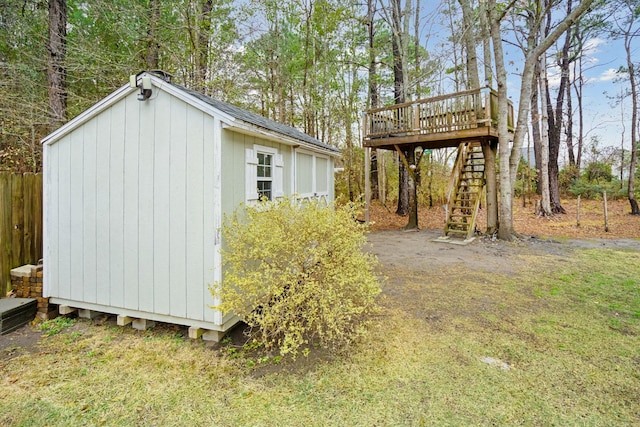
135 190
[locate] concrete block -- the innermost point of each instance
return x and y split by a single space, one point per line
65 309
142 324
123 320
88 314
195 332
214 336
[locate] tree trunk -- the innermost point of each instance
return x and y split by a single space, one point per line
152 49
56 71
473 79
399 92
505 232
373 95
535 128
578 85
545 208
489 152
412 224
555 117
569 128
635 210
203 44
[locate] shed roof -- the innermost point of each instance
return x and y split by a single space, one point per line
196 99
256 119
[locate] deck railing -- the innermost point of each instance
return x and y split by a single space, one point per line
447 113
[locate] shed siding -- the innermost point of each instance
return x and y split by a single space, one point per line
103 146
116 204
161 203
233 167
130 210
131 198
145 140
89 206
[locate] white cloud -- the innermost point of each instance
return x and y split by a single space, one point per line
592 46
608 75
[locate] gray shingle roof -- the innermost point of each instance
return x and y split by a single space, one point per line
257 120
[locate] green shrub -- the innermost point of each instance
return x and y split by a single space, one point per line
594 190
297 275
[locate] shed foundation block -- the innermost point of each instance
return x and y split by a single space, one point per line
195 332
214 336
143 324
88 314
65 309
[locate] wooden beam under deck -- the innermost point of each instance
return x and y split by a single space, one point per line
433 140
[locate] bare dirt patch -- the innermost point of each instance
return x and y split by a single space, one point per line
622 225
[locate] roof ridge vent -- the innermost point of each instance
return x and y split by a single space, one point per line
162 74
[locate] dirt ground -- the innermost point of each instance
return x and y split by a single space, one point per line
555 236
397 248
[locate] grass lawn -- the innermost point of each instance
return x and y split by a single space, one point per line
557 343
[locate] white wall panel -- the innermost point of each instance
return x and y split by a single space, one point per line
161 203
64 218
131 242
116 205
103 194
76 231
146 206
89 206
195 196
177 207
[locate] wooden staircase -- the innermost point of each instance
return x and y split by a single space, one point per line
466 191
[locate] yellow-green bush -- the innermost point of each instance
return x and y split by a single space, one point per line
296 274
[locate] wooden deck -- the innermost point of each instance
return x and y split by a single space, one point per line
438 122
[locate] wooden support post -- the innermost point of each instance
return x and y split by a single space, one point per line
606 212
367 183
195 332
65 309
123 320
578 212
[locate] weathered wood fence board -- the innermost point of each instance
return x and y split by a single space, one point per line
20 223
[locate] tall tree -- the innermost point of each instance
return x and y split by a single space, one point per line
406 183
510 155
625 17
555 115
473 82
56 67
152 51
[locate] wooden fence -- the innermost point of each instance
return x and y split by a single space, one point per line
20 223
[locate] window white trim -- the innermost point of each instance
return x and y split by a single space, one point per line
251 172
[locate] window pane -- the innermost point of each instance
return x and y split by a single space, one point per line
264 189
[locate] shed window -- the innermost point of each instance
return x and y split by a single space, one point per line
265 175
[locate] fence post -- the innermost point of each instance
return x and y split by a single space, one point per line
5 232
606 212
